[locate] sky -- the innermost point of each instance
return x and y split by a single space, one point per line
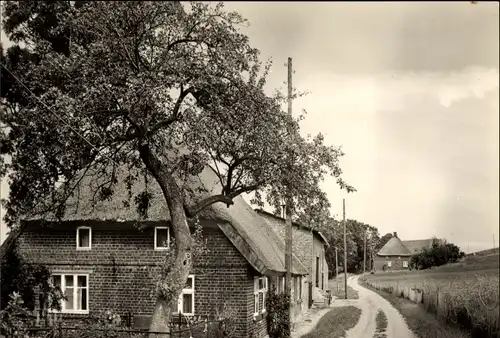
411 93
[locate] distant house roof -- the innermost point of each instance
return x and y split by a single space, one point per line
418 245
394 247
252 236
281 221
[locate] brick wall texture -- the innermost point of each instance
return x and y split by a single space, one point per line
122 263
396 262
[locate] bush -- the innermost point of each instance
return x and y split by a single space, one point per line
278 317
13 317
439 254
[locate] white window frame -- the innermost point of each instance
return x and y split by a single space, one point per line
186 291
280 284
75 292
296 288
168 238
78 247
300 288
405 264
389 264
256 292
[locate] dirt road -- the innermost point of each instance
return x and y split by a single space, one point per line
370 304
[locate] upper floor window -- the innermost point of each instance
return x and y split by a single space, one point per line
162 238
83 238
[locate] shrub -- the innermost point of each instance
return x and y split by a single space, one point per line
439 254
13 321
278 318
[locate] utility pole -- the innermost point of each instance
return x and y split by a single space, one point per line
345 250
288 228
336 264
364 253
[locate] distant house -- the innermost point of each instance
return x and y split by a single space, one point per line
106 256
396 254
309 245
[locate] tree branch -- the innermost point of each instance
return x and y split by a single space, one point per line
191 211
175 112
178 42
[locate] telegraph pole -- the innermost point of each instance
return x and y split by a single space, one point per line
345 250
336 264
364 253
288 228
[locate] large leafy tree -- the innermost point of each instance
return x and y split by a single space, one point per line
355 232
166 88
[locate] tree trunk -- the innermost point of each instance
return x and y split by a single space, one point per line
173 283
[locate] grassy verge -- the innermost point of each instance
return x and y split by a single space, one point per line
381 325
335 323
337 287
423 323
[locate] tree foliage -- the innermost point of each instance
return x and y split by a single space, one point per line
355 232
438 254
383 241
138 71
161 87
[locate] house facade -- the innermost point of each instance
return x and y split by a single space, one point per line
396 254
108 258
309 246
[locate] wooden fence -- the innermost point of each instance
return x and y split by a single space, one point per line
480 319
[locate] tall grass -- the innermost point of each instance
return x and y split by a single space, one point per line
469 300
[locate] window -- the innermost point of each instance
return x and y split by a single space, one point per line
186 299
389 263
405 264
295 288
260 292
162 238
280 284
83 238
300 287
76 290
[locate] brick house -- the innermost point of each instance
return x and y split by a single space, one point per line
396 254
106 256
309 245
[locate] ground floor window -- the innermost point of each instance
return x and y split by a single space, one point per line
280 284
405 264
76 290
297 288
389 263
185 304
260 293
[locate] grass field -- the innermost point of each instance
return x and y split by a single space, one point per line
335 323
464 293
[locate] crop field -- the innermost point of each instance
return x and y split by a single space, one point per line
466 293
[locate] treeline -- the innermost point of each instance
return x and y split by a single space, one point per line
355 232
438 254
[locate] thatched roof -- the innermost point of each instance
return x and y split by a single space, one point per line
394 247
418 245
281 222
248 232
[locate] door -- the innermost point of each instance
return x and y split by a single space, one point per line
310 299
317 272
